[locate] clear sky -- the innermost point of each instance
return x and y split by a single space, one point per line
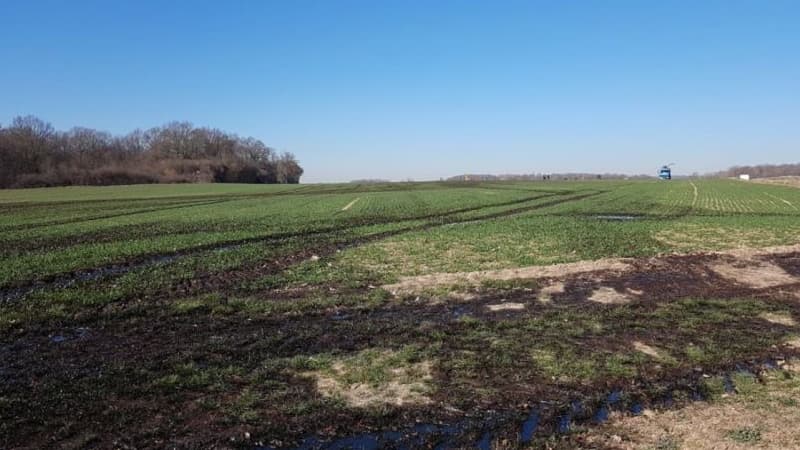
425 89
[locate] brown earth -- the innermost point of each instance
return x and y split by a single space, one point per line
793 181
105 370
745 265
766 420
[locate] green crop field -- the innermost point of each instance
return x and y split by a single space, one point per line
503 314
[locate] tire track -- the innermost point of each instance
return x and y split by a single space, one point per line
199 200
106 216
13 293
694 200
350 205
782 200
239 275
302 191
26 245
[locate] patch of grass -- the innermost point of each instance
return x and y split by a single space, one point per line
192 376
245 407
713 388
745 435
623 365
505 285
695 354
375 367
563 365
746 384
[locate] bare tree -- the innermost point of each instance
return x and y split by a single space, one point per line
32 153
288 169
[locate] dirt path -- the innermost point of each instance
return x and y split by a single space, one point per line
350 205
782 200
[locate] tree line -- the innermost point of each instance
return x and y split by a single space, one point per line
34 154
763 170
546 176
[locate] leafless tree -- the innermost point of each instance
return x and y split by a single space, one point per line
32 153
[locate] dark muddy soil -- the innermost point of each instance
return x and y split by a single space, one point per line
100 383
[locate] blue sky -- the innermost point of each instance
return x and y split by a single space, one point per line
425 89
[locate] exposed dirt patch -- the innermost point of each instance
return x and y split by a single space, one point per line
610 296
779 319
783 181
546 293
405 386
703 426
510 306
647 350
415 284
747 266
757 274
765 418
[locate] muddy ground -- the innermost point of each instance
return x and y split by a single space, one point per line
95 382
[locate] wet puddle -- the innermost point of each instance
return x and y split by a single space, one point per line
601 415
729 388
338 316
486 441
529 427
71 335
